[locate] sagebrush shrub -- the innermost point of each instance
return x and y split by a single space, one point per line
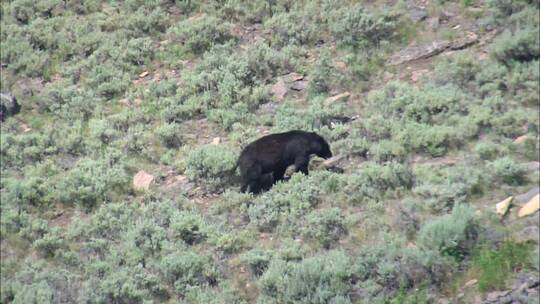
356 27
319 279
508 171
211 161
200 34
326 226
452 234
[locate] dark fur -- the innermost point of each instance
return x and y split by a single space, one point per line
274 153
8 106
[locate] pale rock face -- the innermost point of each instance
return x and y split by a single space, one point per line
530 207
503 206
142 180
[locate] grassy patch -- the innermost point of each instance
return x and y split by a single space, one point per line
495 265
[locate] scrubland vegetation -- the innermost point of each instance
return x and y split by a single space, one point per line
109 88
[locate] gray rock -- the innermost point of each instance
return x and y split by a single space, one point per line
527 196
433 23
299 85
498 296
419 52
529 233
268 108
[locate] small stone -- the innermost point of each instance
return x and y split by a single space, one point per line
483 56
338 97
181 178
502 207
299 85
25 128
341 65
471 283
216 141
494 295
291 77
143 74
417 74
520 140
530 207
142 180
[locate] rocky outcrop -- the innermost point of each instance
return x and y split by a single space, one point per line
423 51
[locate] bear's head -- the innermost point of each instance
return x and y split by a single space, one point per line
320 147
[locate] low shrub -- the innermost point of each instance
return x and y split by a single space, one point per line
319 279
211 161
169 135
187 269
91 182
200 34
357 28
257 259
508 171
325 226
190 226
388 267
452 234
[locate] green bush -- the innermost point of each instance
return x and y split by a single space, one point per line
285 203
376 181
443 189
323 76
188 269
357 28
486 150
257 259
520 46
384 268
211 161
50 242
316 115
507 170
200 34
297 27
495 264
169 135
91 182
190 227
231 242
34 283
452 235
325 226
319 279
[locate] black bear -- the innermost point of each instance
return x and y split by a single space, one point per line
8 106
274 153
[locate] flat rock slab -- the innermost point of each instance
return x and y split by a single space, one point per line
527 196
427 50
417 52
